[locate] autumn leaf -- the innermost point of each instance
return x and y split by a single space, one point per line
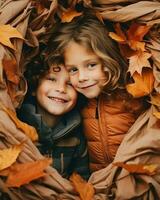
27 129
138 61
85 189
133 38
119 36
143 84
7 32
10 68
9 156
155 99
20 174
138 168
157 115
69 14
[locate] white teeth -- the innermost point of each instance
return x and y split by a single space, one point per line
58 100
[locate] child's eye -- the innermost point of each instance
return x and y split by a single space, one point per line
51 79
91 65
72 70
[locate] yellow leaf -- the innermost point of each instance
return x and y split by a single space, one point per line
20 174
157 115
138 61
9 156
138 168
85 189
7 32
143 84
30 131
69 14
116 37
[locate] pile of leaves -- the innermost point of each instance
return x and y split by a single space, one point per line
136 29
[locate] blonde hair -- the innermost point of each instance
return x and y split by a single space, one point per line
88 31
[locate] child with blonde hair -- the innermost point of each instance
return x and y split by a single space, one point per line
97 71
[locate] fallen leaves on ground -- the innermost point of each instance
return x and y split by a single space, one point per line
84 189
9 156
69 14
6 33
21 174
138 168
10 68
138 61
143 84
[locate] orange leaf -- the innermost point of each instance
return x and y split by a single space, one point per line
9 156
85 189
138 61
138 168
7 32
27 129
143 84
116 37
137 32
21 174
11 69
69 14
157 115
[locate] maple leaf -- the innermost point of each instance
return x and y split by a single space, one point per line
138 61
138 168
85 189
27 129
20 174
10 68
132 38
143 84
9 156
7 32
69 14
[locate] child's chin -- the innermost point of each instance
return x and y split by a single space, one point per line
92 95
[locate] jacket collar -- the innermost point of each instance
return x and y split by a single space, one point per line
67 124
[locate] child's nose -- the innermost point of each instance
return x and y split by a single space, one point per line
61 88
82 76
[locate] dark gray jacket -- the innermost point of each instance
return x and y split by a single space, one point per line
65 142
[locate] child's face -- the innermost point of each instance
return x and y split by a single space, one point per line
85 69
55 94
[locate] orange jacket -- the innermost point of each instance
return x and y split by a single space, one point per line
106 120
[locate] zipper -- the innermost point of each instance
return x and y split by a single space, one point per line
103 132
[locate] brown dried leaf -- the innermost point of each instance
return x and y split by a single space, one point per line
9 156
143 84
69 15
138 168
10 68
21 174
85 189
138 61
7 32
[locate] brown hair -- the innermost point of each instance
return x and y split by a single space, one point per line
90 32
